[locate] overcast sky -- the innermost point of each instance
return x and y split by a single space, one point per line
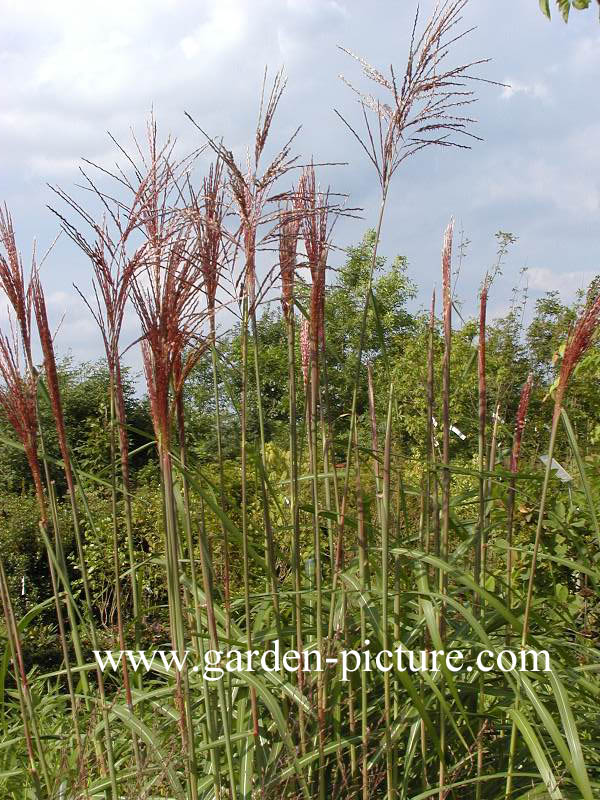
71 71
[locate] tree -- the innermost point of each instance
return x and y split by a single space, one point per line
86 409
385 329
345 294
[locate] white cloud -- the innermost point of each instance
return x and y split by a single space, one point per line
586 54
223 29
566 283
563 173
537 89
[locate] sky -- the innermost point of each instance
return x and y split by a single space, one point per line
72 71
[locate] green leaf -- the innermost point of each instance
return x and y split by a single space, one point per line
565 7
576 768
581 467
545 6
562 593
147 736
579 770
267 698
411 747
538 754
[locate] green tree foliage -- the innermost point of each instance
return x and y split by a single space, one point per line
565 6
388 321
385 332
86 409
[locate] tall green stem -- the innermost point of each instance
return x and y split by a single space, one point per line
244 476
224 532
359 356
314 458
363 566
530 585
28 714
385 547
117 574
295 509
134 573
269 540
182 691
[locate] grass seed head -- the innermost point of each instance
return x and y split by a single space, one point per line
208 213
520 422
288 240
12 280
447 272
18 401
423 108
167 291
312 207
580 340
46 341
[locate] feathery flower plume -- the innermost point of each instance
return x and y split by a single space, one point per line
424 103
267 113
578 343
150 384
18 401
166 292
207 213
170 315
313 211
305 347
114 269
185 360
250 189
288 240
446 274
41 316
18 394
520 422
12 281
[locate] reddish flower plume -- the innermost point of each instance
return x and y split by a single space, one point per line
18 401
41 316
288 240
250 189
520 423
167 293
578 343
207 213
313 209
12 280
